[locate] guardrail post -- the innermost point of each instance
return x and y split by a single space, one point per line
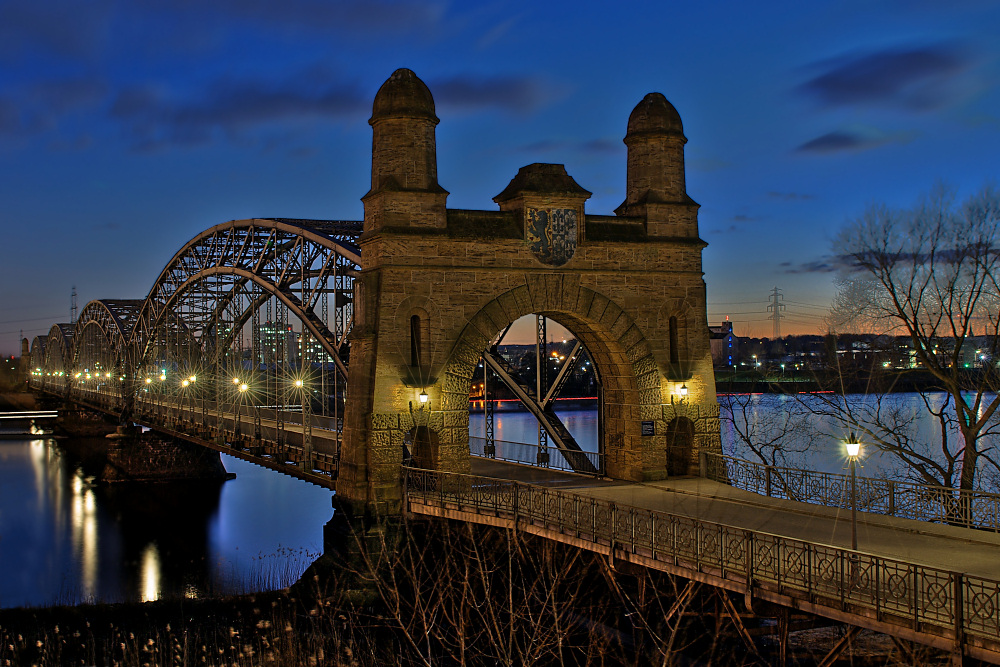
612 525
406 490
959 615
767 481
631 514
702 463
516 494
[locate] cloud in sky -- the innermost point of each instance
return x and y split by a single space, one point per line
853 139
59 27
321 15
158 116
917 78
790 196
725 230
61 96
824 264
598 147
86 30
519 94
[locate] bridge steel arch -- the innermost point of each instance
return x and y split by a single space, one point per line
629 285
57 363
36 371
303 264
102 359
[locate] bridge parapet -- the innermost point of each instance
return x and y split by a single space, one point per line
938 504
949 610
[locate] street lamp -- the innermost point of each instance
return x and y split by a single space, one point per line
242 388
306 401
853 450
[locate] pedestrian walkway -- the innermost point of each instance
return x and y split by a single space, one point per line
933 545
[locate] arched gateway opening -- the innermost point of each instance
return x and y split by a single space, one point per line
537 365
437 287
608 336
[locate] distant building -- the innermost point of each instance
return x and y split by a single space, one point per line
725 346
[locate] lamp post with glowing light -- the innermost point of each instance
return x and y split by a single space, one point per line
145 407
240 389
853 450
306 425
182 410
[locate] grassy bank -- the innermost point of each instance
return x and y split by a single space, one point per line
443 594
265 629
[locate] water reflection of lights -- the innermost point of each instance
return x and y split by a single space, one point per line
83 519
150 573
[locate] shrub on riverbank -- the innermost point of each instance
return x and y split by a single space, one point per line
446 594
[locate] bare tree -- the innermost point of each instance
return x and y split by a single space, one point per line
773 436
452 593
930 275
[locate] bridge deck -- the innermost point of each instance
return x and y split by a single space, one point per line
934 545
934 584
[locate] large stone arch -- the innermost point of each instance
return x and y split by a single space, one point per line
617 346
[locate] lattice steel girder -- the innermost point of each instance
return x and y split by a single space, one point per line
60 342
116 319
290 260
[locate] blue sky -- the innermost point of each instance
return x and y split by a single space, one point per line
128 127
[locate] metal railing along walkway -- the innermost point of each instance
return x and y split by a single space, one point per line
527 453
949 610
907 500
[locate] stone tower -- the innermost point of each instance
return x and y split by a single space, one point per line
405 190
438 284
655 189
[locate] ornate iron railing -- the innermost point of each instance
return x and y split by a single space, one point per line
531 454
923 599
969 509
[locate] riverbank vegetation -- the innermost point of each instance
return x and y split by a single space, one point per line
430 593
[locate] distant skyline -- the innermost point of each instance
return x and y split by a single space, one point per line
127 128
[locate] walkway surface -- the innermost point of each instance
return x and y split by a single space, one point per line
934 545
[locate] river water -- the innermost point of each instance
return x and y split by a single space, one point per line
64 540
812 442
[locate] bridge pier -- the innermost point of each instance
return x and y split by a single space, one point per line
133 456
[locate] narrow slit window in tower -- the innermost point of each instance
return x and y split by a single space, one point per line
674 356
415 351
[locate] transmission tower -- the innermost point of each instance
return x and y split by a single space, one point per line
775 308
72 306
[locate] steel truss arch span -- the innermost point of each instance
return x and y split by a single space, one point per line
37 358
293 261
101 353
50 367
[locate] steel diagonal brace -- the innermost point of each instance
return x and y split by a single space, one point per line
561 378
556 430
316 327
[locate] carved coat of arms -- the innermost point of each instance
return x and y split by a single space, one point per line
551 234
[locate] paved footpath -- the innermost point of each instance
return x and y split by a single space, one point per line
947 548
